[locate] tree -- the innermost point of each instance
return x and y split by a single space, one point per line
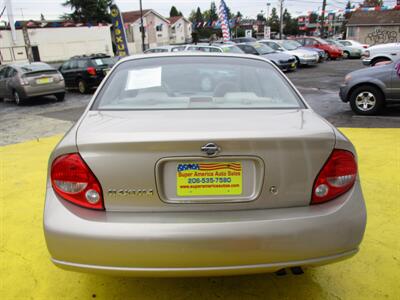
291 25
313 17
238 15
93 11
371 3
173 12
260 17
211 14
274 20
198 17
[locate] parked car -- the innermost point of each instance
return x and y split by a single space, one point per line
165 176
369 90
215 47
332 52
86 72
381 53
283 61
20 82
349 51
354 44
303 57
322 54
170 48
203 47
244 40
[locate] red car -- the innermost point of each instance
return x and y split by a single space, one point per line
332 52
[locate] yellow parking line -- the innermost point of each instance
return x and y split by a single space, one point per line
374 273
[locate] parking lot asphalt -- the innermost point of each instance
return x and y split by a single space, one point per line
374 273
319 85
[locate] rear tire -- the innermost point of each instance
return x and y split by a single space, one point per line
60 97
17 98
82 86
367 100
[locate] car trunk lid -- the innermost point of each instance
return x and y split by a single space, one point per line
136 155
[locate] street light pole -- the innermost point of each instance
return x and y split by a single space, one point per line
141 25
322 31
268 5
281 19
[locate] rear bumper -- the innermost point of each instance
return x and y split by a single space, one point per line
344 90
366 62
287 66
203 243
308 61
335 54
35 91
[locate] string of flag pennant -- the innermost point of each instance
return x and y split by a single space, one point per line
353 9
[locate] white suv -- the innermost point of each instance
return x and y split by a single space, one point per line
380 53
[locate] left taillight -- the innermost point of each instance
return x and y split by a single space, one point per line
336 177
73 181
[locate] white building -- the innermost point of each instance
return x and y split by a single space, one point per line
51 44
156 29
180 30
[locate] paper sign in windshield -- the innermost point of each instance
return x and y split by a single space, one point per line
143 79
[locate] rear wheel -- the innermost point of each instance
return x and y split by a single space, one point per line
82 87
378 60
60 97
17 98
367 100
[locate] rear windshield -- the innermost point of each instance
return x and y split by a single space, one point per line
290 45
35 68
102 61
195 83
231 49
263 49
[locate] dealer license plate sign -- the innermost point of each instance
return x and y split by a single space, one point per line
44 80
209 179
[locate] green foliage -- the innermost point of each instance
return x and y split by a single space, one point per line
371 3
291 26
260 17
93 11
274 20
313 17
173 12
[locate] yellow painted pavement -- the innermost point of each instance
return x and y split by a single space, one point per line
27 273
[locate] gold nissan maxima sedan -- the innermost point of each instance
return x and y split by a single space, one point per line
188 164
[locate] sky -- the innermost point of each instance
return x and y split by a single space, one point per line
52 9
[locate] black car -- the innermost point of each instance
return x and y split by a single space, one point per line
86 72
244 40
283 61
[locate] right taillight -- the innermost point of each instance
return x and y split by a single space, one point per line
73 181
336 177
91 71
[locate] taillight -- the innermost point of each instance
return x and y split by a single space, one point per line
336 177
91 70
60 77
73 181
23 81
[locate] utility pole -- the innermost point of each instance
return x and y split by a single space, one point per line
268 5
281 19
141 25
322 31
